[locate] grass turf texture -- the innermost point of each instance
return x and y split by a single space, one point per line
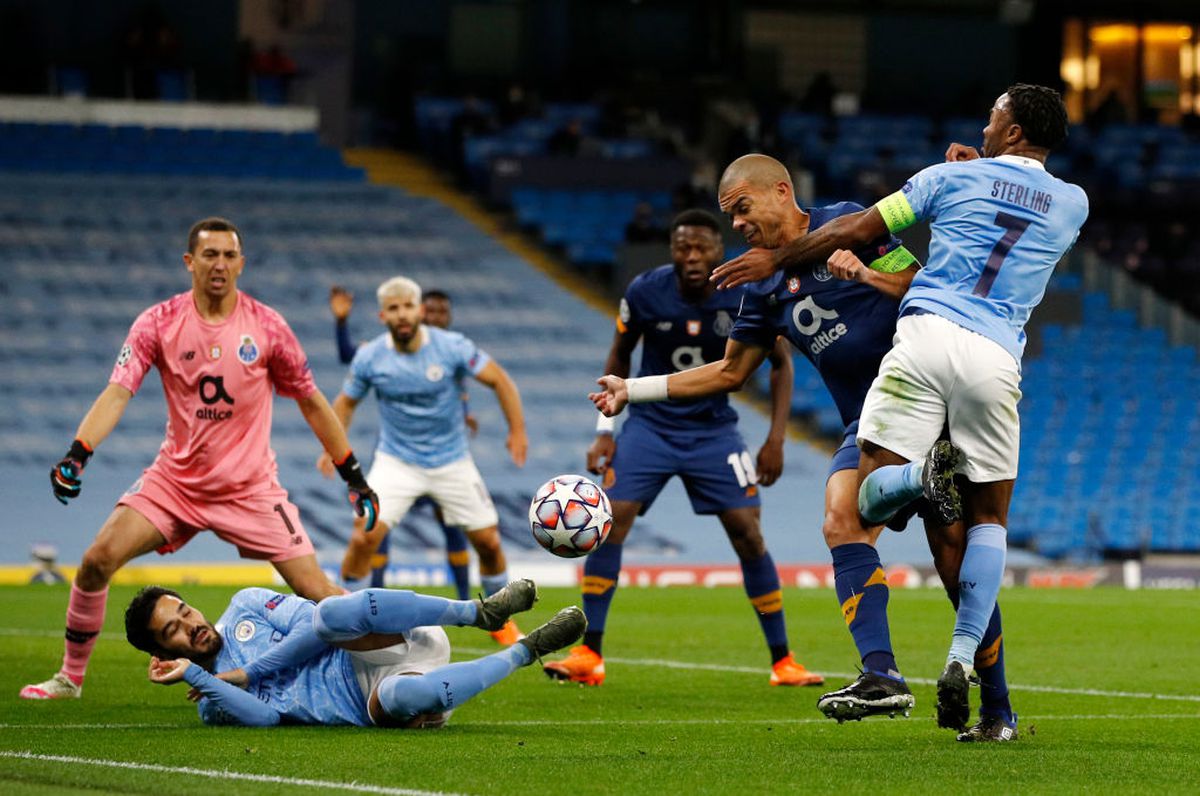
650 728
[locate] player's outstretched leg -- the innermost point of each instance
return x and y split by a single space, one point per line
585 663
458 560
85 617
391 611
435 694
891 487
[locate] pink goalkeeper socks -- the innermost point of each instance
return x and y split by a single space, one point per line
85 617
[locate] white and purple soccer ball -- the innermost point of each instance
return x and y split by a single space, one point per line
570 516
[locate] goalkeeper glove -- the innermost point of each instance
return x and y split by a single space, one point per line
362 497
66 477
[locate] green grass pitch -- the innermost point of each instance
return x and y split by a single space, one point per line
1105 682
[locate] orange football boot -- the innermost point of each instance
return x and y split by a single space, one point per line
507 635
580 666
787 672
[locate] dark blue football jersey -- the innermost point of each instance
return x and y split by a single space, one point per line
678 335
844 328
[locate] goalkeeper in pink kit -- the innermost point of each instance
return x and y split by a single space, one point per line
220 354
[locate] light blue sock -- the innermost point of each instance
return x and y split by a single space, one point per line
978 587
355 615
889 489
493 583
447 687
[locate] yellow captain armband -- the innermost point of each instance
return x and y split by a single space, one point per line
896 211
894 261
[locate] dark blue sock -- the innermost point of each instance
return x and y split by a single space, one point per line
458 559
379 563
989 665
862 591
601 572
761 580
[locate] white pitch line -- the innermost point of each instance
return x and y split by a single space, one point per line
1025 719
718 667
226 775
759 670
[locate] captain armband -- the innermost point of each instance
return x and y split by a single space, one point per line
896 211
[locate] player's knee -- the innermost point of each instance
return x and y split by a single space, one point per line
486 541
842 527
343 618
405 696
97 566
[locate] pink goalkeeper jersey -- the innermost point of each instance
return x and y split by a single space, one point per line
217 379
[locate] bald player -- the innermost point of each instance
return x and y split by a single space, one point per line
842 318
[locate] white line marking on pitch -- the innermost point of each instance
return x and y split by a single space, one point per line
758 670
1025 719
718 667
227 775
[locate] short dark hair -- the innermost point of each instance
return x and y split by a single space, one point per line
1040 112
211 224
137 618
696 218
435 294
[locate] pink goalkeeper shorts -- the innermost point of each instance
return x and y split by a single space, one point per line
265 525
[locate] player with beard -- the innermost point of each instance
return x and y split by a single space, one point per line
414 370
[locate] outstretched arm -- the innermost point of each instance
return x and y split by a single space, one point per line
227 703
846 265
509 397
851 231
604 446
728 375
104 415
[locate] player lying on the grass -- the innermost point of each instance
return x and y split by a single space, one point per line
438 313
843 320
375 657
683 321
220 355
413 369
999 223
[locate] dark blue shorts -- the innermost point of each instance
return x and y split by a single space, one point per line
717 470
846 456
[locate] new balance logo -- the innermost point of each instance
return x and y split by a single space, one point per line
188 356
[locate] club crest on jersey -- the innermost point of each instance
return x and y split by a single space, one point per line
248 350
723 325
244 631
820 273
124 356
214 352
794 284
693 328
434 372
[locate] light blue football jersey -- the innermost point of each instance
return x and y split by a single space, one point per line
420 394
320 690
999 226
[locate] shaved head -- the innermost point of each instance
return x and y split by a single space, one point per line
758 171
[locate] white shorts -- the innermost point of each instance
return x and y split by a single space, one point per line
457 488
427 648
939 374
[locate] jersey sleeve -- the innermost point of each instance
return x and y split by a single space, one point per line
916 201
138 353
631 312
469 357
753 326
290 373
225 703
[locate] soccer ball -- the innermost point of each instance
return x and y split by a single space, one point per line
570 516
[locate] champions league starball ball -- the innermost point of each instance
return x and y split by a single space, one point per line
570 516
